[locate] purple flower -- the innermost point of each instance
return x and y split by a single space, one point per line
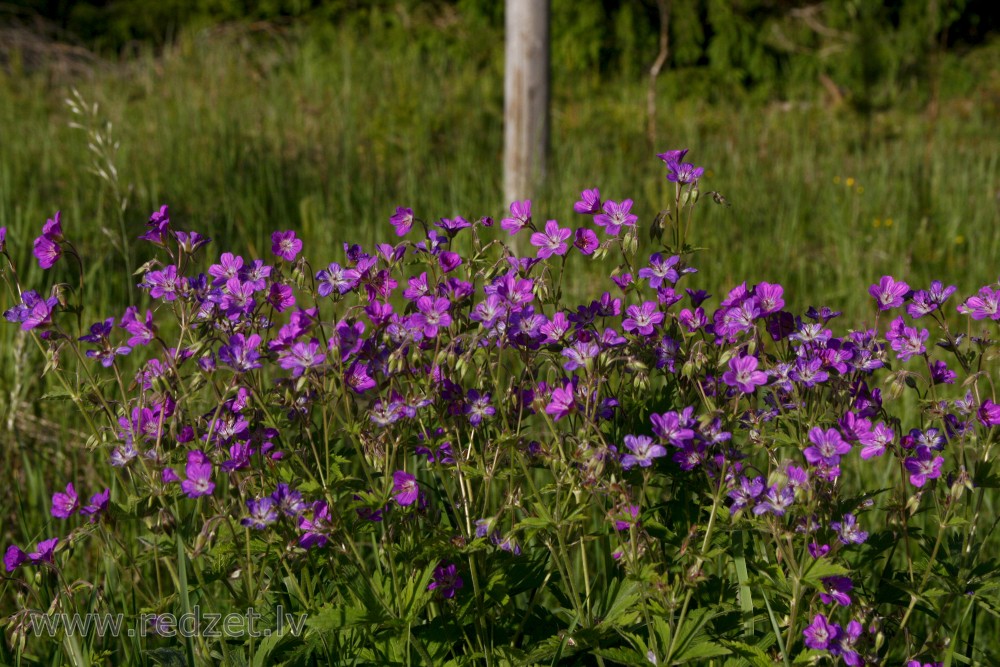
3 240
47 252
809 372
611 338
775 501
660 270
241 353
743 374
518 292
143 331
562 402
875 442
237 299
261 513
684 173
13 558
924 466
65 504
769 298
336 278
827 447
385 412
300 357
285 245
586 241
989 413
746 494
98 505
404 488
32 312
158 227
418 287
556 328
432 315
452 225
845 645
889 293
672 427
678 172
402 220
478 407
47 248
449 261
578 355
909 342
357 378
590 202
848 531
189 242
553 241
287 501
280 297
643 451
98 335
199 475
229 267
818 550
673 157
489 311
837 589
941 374
256 274
642 319
315 527
520 212
821 634
615 217
986 304
446 581
927 301
45 552
162 284
692 321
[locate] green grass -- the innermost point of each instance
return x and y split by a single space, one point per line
326 130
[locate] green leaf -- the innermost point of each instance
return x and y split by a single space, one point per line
415 595
693 642
182 589
752 654
700 649
330 619
745 594
167 657
821 568
621 605
272 648
625 656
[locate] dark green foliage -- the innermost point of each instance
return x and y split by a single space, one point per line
874 51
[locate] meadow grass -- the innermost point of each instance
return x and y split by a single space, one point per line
325 131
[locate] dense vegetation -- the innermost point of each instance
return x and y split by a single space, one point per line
838 169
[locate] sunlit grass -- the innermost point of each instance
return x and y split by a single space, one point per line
327 132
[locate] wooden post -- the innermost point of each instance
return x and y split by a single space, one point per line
526 97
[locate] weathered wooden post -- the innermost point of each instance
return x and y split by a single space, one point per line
526 97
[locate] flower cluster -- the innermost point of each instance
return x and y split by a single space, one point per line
366 410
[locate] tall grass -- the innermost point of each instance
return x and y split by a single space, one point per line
326 131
